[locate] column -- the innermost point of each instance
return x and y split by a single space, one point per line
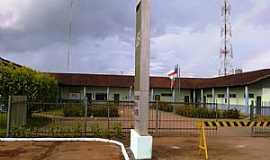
130 94
213 96
152 94
194 96
228 97
246 100
202 96
108 93
173 96
84 92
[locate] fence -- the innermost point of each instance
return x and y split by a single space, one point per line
107 118
260 113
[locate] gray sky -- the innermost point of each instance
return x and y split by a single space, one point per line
187 32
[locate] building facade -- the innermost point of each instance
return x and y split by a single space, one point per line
228 91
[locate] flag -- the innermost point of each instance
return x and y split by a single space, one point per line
172 75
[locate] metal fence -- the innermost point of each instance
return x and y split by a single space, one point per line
108 118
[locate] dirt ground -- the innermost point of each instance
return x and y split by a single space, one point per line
220 148
59 151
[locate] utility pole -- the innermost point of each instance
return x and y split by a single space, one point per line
226 51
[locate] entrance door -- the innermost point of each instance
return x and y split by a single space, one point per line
116 97
89 97
186 99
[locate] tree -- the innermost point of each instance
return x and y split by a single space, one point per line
25 81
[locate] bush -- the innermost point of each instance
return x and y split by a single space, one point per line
73 110
97 110
203 112
101 110
166 107
231 113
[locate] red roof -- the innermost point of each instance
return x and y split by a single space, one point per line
124 81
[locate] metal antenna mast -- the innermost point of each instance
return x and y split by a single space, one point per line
226 51
69 35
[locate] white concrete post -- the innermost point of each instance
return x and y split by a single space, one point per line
140 141
108 93
228 97
202 95
194 96
246 99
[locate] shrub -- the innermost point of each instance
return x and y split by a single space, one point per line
101 110
203 112
166 107
73 110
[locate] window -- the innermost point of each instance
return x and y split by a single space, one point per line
157 97
209 96
232 95
221 96
186 99
74 96
166 94
116 97
251 95
101 96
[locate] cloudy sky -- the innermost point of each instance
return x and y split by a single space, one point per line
186 32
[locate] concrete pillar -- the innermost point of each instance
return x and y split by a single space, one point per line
228 97
213 96
152 94
108 93
140 140
142 79
202 96
130 94
84 92
173 95
194 96
246 99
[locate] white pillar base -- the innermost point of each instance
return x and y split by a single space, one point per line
141 146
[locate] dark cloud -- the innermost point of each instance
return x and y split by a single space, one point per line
184 32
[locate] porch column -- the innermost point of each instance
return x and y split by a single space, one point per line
173 96
202 95
130 93
213 96
152 94
84 92
108 93
228 97
246 99
194 96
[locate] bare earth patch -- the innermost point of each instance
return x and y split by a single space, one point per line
220 148
59 151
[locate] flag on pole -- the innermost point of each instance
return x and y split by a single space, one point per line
172 75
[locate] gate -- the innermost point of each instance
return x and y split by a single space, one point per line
260 113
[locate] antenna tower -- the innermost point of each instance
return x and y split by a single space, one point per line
69 48
226 51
